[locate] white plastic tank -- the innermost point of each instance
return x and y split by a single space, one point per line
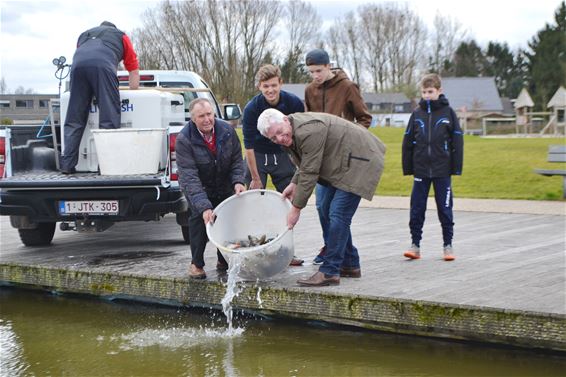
143 108
254 213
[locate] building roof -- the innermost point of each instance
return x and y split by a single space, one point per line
558 99
524 99
395 98
507 106
296 89
472 93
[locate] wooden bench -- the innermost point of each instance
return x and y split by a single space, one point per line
556 153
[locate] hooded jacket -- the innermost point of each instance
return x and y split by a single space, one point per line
203 175
338 96
433 145
333 151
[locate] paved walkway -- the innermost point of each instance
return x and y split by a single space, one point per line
507 284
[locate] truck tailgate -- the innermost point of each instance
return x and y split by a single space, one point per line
34 180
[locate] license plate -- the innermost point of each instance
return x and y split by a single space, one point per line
91 207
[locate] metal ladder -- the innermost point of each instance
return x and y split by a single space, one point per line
54 102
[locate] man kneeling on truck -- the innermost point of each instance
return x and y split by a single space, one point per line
211 169
95 63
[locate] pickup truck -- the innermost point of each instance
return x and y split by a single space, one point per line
36 195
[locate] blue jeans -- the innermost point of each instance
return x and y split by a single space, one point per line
336 212
323 208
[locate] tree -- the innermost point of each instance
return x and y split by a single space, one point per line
3 86
469 61
224 41
500 64
546 59
447 35
303 24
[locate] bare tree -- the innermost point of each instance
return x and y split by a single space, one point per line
375 34
446 36
3 86
224 41
303 24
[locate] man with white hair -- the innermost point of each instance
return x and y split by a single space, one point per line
343 157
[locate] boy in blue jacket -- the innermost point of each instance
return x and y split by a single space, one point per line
433 150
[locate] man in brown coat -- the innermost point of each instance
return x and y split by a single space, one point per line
343 157
332 92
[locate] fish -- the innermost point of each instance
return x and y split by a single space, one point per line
250 242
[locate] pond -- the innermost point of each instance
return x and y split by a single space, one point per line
45 334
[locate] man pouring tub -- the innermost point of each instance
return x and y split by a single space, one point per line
344 157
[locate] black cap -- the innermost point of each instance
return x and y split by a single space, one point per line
317 57
108 23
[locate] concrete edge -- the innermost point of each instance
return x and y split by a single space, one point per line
531 207
524 329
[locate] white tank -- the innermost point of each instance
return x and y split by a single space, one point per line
144 108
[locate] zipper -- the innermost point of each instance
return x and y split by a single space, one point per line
429 138
324 97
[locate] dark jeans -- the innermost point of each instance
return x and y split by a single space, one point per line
337 217
279 166
87 82
444 202
197 233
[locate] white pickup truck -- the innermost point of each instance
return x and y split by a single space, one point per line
36 196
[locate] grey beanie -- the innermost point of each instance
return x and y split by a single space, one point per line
317 57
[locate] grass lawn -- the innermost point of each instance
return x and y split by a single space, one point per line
493 168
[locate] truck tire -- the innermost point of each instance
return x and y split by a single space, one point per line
40 236
186 236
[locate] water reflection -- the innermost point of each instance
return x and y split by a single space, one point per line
10 351
43 334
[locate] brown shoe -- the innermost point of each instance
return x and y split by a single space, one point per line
320 280
296 262
349 272
196 272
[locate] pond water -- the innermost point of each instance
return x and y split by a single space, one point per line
43 334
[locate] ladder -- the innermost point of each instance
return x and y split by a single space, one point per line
54 104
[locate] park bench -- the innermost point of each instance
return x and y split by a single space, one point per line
556 153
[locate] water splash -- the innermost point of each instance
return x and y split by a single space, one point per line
232 288
175 337
258 298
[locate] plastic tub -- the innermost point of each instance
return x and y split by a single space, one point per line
129 151
255 213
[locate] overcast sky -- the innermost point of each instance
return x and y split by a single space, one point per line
32 33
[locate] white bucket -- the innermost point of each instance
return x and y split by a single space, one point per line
255 213
129 151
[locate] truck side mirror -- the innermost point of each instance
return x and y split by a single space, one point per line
232 111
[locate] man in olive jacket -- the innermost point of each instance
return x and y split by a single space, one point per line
344 157
211 169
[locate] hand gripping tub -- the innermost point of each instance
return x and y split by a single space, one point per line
254 213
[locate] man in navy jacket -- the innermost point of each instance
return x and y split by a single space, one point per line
210 168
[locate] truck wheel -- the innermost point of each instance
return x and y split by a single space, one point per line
186 236
40 236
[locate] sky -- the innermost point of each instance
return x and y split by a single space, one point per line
33 33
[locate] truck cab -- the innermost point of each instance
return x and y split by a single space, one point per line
36 195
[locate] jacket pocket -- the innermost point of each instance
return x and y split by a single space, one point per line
352 157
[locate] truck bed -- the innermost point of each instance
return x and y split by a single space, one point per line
33 180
